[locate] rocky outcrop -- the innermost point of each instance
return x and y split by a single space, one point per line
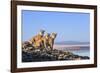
30 54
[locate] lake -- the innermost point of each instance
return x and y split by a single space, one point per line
82 50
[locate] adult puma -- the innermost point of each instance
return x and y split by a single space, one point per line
37 41
49 40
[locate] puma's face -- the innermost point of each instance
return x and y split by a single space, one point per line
47 35
53 35
41 32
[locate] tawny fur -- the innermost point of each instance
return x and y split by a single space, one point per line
46 41
49 40
37 41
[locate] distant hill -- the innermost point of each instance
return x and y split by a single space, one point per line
71 43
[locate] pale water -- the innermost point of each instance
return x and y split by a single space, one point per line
83 51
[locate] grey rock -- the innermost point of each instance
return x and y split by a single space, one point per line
30 54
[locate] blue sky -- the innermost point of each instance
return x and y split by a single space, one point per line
69 26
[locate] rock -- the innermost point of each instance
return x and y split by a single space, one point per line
30 54
61 57
27 57
84 57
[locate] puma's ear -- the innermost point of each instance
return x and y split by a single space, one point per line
53 35
47 34
56 34
42 31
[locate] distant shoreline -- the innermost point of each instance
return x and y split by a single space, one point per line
70 46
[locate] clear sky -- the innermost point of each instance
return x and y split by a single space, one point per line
69 26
